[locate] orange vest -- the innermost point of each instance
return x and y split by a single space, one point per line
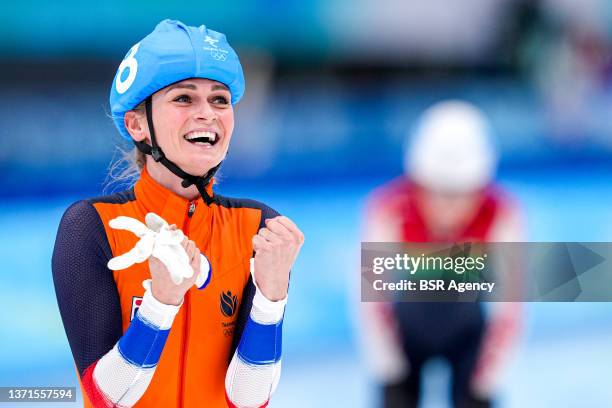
192 367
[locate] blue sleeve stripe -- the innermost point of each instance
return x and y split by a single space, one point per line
142 343
261 344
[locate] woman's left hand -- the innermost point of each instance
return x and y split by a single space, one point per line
276 247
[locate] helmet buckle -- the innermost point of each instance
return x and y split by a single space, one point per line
157 154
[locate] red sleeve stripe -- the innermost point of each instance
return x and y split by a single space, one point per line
95 395
230 404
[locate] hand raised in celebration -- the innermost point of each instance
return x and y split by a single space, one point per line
168 251
163 286
276 247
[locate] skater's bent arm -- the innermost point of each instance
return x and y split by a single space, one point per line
115 368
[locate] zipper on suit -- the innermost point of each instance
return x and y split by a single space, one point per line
187 317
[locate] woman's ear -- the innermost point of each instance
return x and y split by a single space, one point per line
135 124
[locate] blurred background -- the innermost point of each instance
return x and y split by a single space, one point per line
333 88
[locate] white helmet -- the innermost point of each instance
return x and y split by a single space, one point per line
451 149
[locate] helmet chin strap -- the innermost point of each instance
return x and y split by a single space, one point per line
155 151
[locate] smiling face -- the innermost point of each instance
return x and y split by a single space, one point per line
193 120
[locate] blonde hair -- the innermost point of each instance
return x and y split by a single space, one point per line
126 165
124 169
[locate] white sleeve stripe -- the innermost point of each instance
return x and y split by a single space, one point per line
246 363
249 385
115 378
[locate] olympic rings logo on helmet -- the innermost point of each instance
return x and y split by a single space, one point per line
219 55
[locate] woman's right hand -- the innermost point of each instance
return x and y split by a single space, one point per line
166 291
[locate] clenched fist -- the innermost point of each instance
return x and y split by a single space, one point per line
276 247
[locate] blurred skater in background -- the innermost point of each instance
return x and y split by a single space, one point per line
448 194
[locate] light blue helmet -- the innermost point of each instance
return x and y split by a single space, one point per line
171 53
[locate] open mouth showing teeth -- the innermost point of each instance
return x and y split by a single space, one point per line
202 138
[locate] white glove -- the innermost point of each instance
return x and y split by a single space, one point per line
158 240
